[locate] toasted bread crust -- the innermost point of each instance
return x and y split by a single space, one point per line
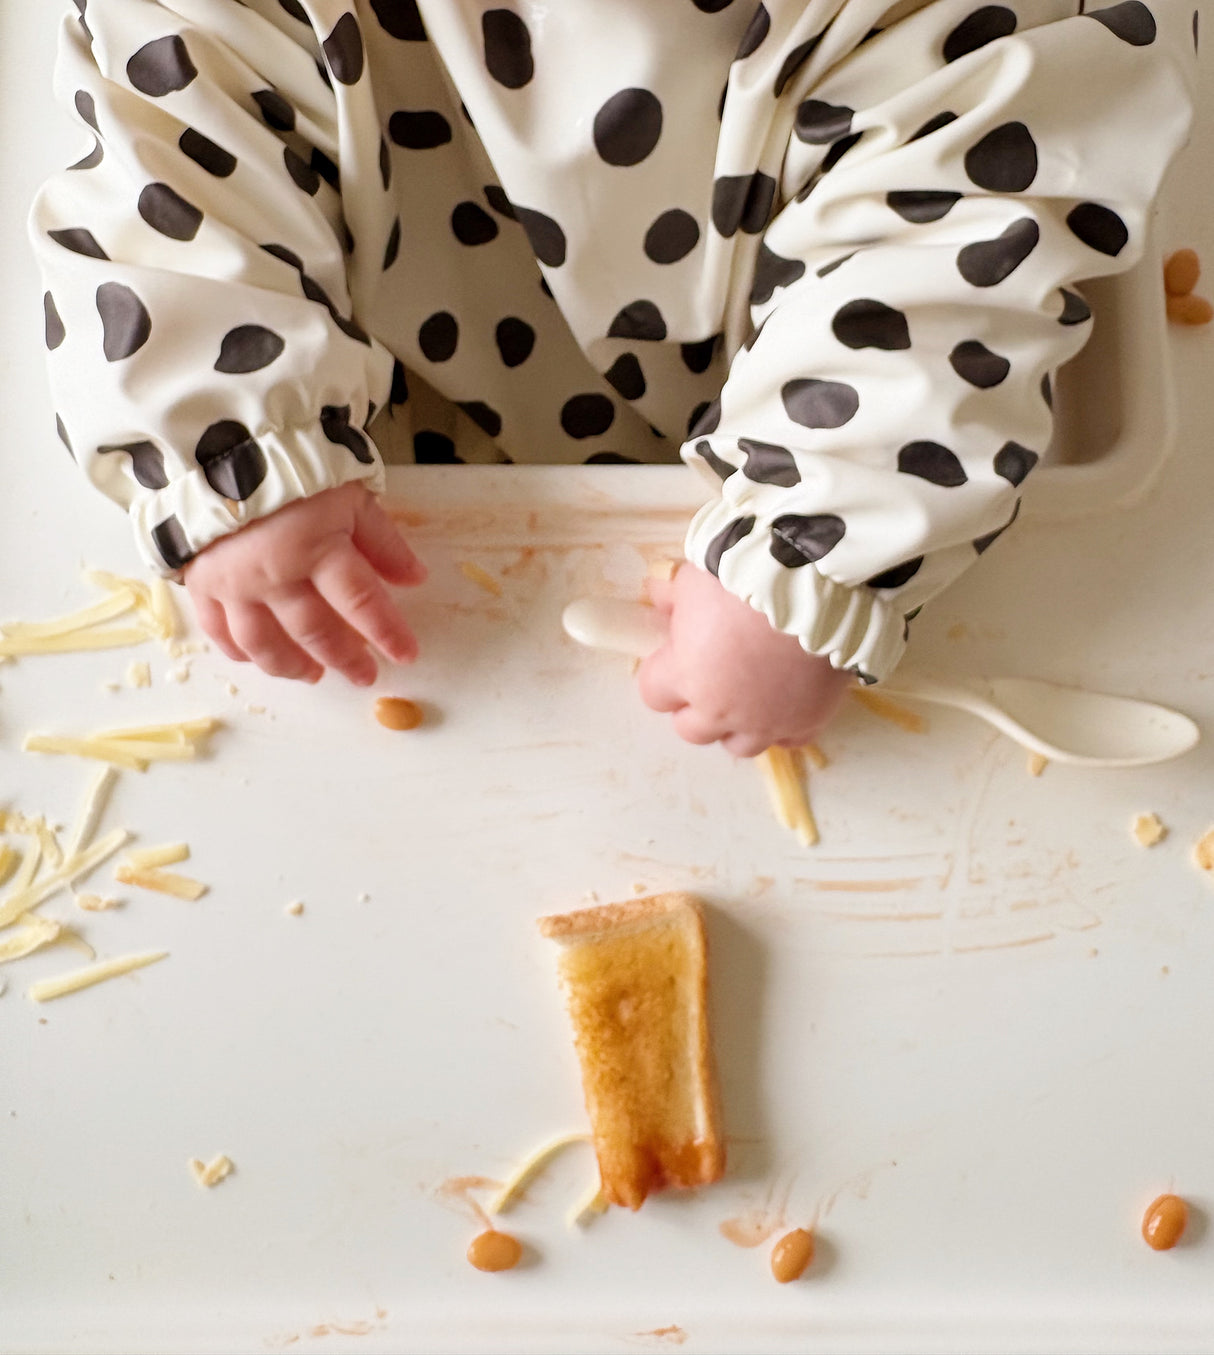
636 981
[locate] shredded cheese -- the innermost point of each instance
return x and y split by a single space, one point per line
162 882
816 758
529 1167
19 901
164 614
1148 830
34 933
785 775
94 806
210 1174
176 731
95 903
120 601
591 1204
88 748
114 637
148 858
9 857
1037 763
48 989
889 710
1203 851
138 673
481 577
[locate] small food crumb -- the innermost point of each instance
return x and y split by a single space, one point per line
1164 1222
138 674
1181 272
1203 851
295 907
3 986
364 898
1148 830
95 903
181 674
493 1251
111 686
212 1172
790 1257
957 631
481 577
233 689
398 712
255 709
1037 764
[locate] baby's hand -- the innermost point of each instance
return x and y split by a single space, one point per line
303 589
725 673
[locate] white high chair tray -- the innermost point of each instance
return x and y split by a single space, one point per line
967 1037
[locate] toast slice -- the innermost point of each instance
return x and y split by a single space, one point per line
636 984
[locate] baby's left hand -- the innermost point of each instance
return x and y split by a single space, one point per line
726 674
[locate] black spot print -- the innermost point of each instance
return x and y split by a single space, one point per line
819 123
231 460
325 167
753 337
399 392
627 127
81 20
932 462
79 241
385 164
772 271
793 63
161 67
87 108
92 159
1005 160
586 416
335 424
704 418
147 462
896 575
672 236
1014 462
55 333
756 31
769 464
276 112
839 150
392 248
438 336
610 459
871 324
170 540
419 130
1196 31
974 362
742 202
988 262
61 430
934 124
488 420
711 6
626 376
982 26
248 348
1047 391
638 320
125 323
472 224
1100 228
820 404
343 50
515 339
728 536
298 168
798 540
1131 21
295 10
546 237
434 449
1075 310
919 206
721 101
323 71
497 199
214 159
697 357
400 19
351 328
715 463
287 257
507 48
168 212
547 291
828 268
982 542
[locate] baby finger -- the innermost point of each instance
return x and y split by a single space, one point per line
259 634
309 620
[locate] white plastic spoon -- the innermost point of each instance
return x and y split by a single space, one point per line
1064 724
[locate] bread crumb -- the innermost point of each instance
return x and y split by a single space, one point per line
138 674
1203 851
295 907
212 1172
1148 830
95 903
1037 764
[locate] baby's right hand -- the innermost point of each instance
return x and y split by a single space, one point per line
304 589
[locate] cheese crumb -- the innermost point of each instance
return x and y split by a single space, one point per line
95 903
295 907
139 674
1037 764
180 674
1203 851
364 898
1148 830
211 1173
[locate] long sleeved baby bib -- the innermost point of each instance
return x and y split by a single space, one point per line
827 250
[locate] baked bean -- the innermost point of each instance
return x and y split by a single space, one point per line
397 712
1164 1222
790 1257
492 1251
1181 272
1189 310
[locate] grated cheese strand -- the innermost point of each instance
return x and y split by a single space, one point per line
892 711
148 858
120 601
115 637
94 805
589 1206
22 900
88 748
785 773
162 882
35 933
48 989
529 1168
9 856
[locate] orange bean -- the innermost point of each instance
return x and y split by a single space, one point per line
1164 1222
494 1251
1190 310
1181 272
397 712
790 1257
